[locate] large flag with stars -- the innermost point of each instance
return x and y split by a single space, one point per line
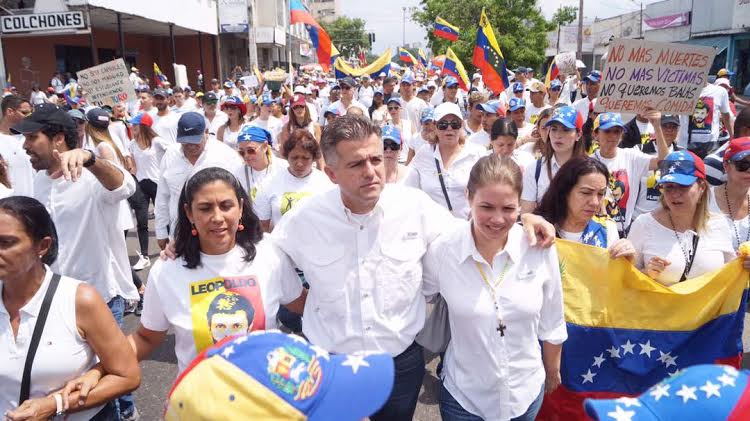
452 66
489 59
627 332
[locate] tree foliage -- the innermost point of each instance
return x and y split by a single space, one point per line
348 35
564 16
519 27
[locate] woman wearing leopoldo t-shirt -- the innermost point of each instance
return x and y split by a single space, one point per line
279 193
224 280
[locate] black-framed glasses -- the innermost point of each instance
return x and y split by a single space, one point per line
444 125
391 145
741 165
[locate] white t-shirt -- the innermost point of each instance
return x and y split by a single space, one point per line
251 179
648 193
220 118
190 301
739 228
416 142
366 94
20 171
407 132
273 125
119 134
646 129
424 176
704 124
279 193
342 108
626 170
91 247
38 98
532 112
652 239
414 110
148 161
166 127
480 138
534 189
582 105
524 133
522 158
124 213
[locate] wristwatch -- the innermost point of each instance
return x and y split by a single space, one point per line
60 412
91 161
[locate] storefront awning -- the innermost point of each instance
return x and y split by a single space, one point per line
720 43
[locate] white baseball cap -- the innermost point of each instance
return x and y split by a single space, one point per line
447 108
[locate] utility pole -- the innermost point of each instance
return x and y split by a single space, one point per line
403 27
579 50
640 32
251 35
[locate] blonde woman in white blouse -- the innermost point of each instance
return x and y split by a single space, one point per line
503 297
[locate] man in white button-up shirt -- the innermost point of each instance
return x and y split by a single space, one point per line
193 152
360 247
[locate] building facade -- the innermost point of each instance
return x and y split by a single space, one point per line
325 10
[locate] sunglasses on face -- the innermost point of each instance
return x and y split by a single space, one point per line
248 151
211 102
742 165
393 108
299 107
444 125
24 112
346 88
390 145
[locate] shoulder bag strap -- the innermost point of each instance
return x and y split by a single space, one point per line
36 337
442 185
538 171
689 264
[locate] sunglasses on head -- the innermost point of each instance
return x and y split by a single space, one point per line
444 125
390 145
741 165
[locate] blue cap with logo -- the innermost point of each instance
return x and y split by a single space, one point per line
391 132
191 128
567 116
332 109
681 167
516 103
266 99
428 114
555 85
271 375
518 87
254 134
593 76
606 121
450 82
493 107
697 393
395 99
408 78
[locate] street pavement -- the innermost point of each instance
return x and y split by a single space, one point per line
160 369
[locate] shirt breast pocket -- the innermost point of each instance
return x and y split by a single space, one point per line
327 278
399 275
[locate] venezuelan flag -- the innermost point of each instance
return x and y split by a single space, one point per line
552 73
422 58
382 64
445 30
488 57
627 332
159 77
452 66
319 37
405 56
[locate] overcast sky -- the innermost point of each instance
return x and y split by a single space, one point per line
384 17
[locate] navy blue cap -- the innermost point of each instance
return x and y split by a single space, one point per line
190 128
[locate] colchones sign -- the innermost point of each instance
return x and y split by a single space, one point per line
40 22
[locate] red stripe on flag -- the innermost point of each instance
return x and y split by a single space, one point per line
445 35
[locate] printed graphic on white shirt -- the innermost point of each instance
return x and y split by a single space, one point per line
225 306
291 198
618 193
652 190
702 118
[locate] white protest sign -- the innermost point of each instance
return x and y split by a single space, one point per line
107 84
566 63
644 74
180 75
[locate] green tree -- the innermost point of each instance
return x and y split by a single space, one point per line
564 16
348 35
519 27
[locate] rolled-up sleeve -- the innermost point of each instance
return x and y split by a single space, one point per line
552 317
126 189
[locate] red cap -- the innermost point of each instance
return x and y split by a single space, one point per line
298 100
738 149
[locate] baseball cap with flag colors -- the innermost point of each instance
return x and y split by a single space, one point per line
738 149
567 116
697 393
269 375
681 167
